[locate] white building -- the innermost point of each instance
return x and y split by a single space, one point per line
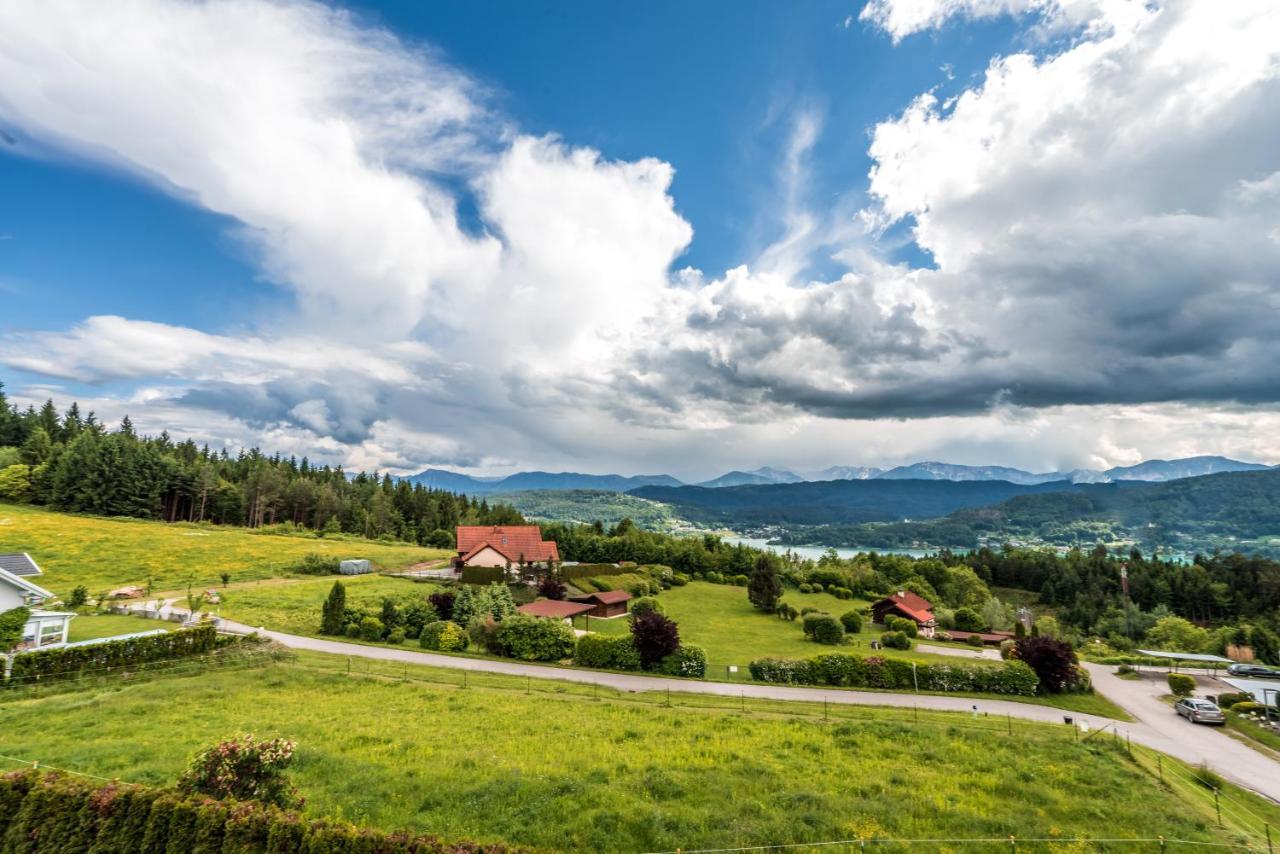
44 628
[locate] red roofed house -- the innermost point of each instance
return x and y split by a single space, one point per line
503 545
904 603
610 603
552 609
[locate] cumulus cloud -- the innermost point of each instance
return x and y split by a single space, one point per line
1103 215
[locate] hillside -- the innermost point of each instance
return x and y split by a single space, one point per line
534 480
835 502
1232 508
584 506
104 553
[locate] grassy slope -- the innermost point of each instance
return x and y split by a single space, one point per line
494 762
293 605
108 625
107 553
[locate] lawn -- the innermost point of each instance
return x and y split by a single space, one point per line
293 605
545 764
109 625
102 554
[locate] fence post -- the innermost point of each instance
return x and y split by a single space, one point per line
1160 766
1013 843
824 709
668 698
1009 720
464 679
1267 827
1217 807
1162 843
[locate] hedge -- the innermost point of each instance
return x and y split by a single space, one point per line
131 652
607 652
535 639
688 660
53 813
484 575
854 671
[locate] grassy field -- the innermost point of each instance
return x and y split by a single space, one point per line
293 605
548 765
108 625
103 553
1251 731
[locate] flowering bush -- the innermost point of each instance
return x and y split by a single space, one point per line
244 769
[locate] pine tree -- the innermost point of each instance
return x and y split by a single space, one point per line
764 588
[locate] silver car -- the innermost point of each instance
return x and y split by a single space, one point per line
1200 711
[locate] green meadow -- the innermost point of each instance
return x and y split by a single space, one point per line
103 554
569 767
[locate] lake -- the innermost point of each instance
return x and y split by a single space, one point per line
815 552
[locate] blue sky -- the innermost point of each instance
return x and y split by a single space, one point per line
568 161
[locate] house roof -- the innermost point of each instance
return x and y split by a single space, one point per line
7 577
916 607
19 563
987 637
554 609
607 597
510 541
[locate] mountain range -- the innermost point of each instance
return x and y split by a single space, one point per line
1151 470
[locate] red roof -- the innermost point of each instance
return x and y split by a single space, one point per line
916 607
608 597
987 637
554 609
511 541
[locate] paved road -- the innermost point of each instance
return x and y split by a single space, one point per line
1156 726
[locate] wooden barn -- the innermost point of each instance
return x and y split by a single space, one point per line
610 603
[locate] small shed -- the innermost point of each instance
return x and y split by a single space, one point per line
990 638
610 603
355 567
554 609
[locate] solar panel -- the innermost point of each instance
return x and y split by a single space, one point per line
19 563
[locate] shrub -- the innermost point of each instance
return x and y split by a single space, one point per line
484 575
895 640
317 564
764 587
351 630
396 636
975 640
606 652
1012 678
824 628
551 587
12 622
690 661
843 593
483 632
1054 661
1228 701
809 609
535 639
901 624
738 580
679 580
244 769
1206 777
655 637
416 615
79 596
715 578
806 587
371 629
786 612
333 612
1247 707
646 605
1007 648
967 620
443 603
443 635
852 622
68 662
1181 685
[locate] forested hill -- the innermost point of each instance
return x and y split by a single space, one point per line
837 501
1195 513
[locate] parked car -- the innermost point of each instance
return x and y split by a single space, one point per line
1200 711
1252 670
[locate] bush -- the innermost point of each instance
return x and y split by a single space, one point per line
119 817
852 622
842 593
715 578
395 636
901 624
655 637
678 580
1181 685
689 661
895 640
245 769
606 652
975 640
809 609
786 612
1227 701
739 581
535 639
1054 661
646 605
317 564
334 610
351 630
371 629
806 587
551 587
416 615
1013 678
443 635
588 570
824 628
1206 777
443 603
1247 707
967 620
484 575
69 662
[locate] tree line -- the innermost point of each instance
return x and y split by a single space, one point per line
71 461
